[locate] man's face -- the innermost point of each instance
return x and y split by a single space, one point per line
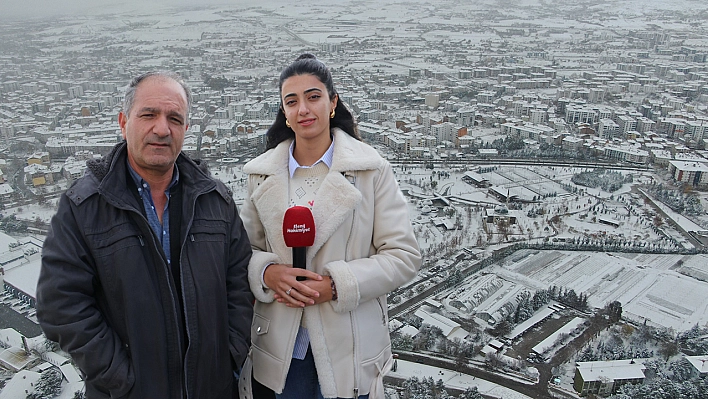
155 126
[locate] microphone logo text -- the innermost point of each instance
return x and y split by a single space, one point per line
298 228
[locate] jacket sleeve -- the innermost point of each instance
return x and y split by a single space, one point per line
240 298
396 259
261 257
68 310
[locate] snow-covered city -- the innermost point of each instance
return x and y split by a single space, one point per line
552 154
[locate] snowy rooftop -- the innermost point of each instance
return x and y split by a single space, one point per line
6 189
449 328
530 322
19 385
611 369
690 166
551 339
16 358
5 241
25 277
699 362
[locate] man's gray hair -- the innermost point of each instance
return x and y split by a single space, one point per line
133 86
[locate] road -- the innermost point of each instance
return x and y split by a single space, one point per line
523 162
693 240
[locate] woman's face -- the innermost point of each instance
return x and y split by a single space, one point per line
307 106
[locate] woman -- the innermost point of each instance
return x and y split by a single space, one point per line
326 336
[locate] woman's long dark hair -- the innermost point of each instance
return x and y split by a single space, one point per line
308 64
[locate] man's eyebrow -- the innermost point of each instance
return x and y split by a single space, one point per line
176 113
158 110
149 109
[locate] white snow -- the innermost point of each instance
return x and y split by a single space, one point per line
453 379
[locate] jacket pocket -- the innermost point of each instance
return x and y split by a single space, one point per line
115 239
206 252
118 255
372 330
260 325
273 329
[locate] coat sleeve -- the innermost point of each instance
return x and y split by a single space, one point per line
68 310
261 256
396 259
240 298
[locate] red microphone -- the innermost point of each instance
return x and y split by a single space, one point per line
299 233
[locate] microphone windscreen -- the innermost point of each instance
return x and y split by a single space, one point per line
298 227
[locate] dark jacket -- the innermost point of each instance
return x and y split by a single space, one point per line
105 292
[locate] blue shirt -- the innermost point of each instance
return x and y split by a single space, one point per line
162 230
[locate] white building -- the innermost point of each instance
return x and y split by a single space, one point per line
606 377
450 329
608 129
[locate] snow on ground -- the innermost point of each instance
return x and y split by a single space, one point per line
659 290
650 287
454 380
32 212
654 288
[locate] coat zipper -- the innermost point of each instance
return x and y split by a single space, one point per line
354 355
141 238
174 300
383 313
351 313
189 237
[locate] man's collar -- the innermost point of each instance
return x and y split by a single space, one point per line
140 182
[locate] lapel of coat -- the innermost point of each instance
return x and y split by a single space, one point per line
336 198
270 197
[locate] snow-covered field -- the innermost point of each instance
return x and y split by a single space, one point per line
455 380
661 290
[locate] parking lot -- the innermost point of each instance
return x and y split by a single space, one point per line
18 315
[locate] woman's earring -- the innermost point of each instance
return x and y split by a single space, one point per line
331 114
287 123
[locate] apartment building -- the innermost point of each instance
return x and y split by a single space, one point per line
690 172
606 377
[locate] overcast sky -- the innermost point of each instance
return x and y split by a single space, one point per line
29 9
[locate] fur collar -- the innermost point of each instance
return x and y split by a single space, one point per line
336 198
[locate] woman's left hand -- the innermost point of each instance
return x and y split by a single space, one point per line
323 287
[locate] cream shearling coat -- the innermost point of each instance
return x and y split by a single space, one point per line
364 240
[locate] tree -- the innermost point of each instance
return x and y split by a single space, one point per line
669 349
402 342
502 328
503 226
471 393
681 370
217 82
48 386
494 361
614 311
460 360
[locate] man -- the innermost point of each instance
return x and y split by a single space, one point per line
144 270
